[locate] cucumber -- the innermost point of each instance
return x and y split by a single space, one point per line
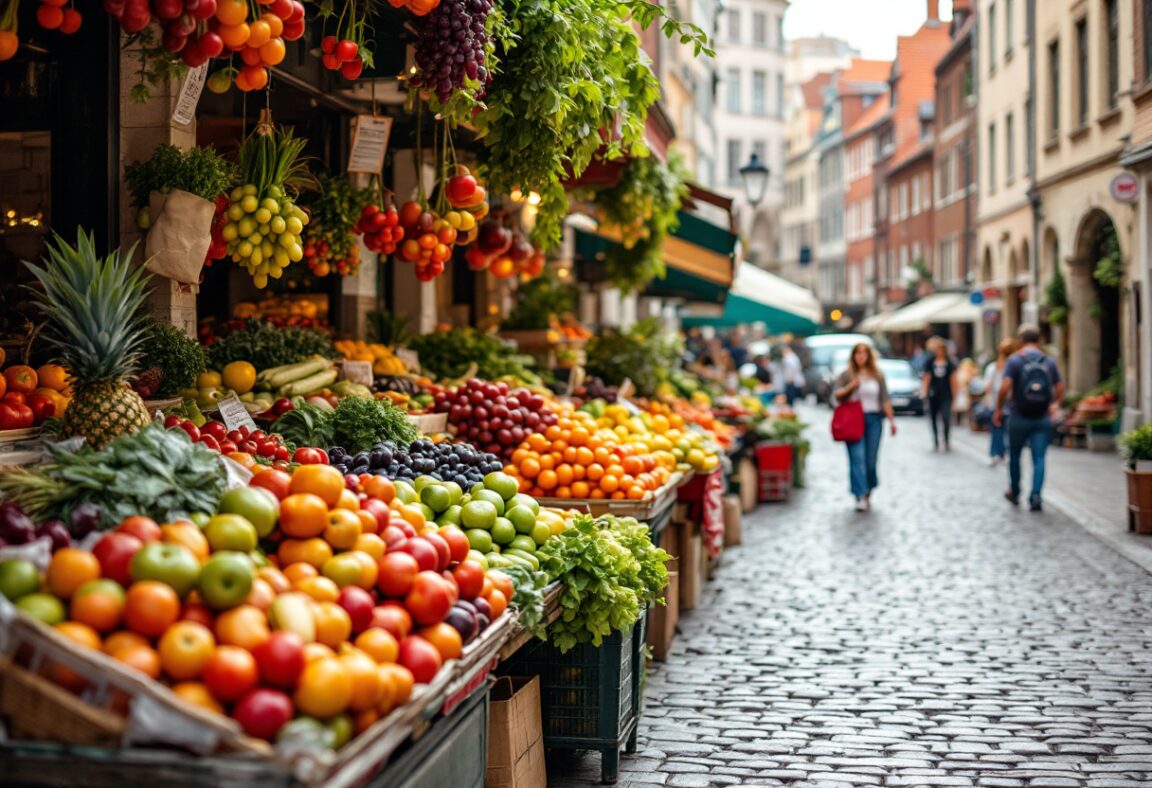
523 556
313 382
298 372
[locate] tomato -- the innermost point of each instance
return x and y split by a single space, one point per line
185 649
200 613
276 482
443 551
365 679
123 639
469 577
307 456
142 658
313 551
502 582
323 481
325 688
150 607
420 657
245 626
21 378
379 644
343 529
230 673
333 624
303 515
15 416
143 528
43 407
392 618
69 569
445 638
423 550
498 602
400 683
197 694
430 599
398 572
457 542
280 659
263 712
261 595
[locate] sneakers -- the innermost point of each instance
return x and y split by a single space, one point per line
1035 504
861 505
1012 498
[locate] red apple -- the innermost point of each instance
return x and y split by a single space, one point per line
114 552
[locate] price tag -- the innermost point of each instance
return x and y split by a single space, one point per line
410 358
369 144
576 377
357 372
234 414
190 92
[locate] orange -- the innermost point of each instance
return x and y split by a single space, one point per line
69 569
595 472
564 491
578 437
636 493
320 480
379 644
547 462
580 489
197 694
584 456
446 639
150 607
609 484
537 442
325 688
333 624
185 649
553 433
245 626
313 551
304 514
53 376
564 474
365 679
142 658
123 639
530 468
379 487
547 480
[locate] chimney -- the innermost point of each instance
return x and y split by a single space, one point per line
933 10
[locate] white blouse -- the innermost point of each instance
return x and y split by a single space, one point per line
869 393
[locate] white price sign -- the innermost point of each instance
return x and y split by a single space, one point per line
190 92
357 372
234 414
369 144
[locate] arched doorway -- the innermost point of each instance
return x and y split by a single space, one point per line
1095 292
1053 295
987 274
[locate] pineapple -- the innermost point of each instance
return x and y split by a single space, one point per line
93 306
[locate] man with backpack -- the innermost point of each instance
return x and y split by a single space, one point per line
1030 388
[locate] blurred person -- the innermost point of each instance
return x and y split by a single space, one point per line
863 381
939 387
791 380
993 378
1030 391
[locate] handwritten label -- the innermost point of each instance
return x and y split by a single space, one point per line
190 92
234 413
369 144
357 372
576 377
410 358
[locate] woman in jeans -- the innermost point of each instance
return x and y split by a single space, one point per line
993 379
864 382
939 386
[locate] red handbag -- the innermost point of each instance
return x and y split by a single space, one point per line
848 422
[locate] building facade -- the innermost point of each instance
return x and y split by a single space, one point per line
749 115
860 207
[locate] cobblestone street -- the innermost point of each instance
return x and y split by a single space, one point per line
945 639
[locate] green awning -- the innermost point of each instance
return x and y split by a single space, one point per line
760 297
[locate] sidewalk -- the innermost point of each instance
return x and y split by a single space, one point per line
1088 487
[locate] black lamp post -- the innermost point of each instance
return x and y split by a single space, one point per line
755 178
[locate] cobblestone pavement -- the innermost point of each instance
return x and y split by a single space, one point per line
945 639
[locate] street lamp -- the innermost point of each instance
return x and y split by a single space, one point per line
755 177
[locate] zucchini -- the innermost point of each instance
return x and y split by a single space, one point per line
298 372
313 382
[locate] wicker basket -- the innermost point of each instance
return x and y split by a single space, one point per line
35 708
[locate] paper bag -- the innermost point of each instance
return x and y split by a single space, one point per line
515 735
180 235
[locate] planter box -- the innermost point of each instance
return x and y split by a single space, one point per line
1139 501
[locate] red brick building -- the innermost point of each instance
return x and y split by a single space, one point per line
859 204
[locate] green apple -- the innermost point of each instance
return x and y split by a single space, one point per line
450 516
226 578
18 577
172 564
522 518
524 543
478 514
43 607
502 483
541 533
503 532
231 532
255 504
436 497
479 539
492 497
520 499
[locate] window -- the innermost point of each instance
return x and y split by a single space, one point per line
1009 149
1147 27
904 200
780 95
1112 51
734 25
759 93
780 32
735 155
991 37
733 102
915 196
991 157
760 29
926 191
916 252
1054 88
1009 37
1082 72
945 105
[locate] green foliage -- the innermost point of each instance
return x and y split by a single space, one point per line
450 354
540 300
155 472
306 425
266 346
1109 270
388 329
647 354
611 571
359 423
1056 299
643 205
174 353
923 273
782 430
1136 445
201 171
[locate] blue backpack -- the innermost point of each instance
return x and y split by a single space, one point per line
1033 391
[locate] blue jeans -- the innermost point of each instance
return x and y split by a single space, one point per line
997 449
1036 434
862 456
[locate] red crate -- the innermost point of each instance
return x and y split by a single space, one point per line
775 485
774 456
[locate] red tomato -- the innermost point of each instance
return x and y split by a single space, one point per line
307 456
420 657
280 659
423 550
15 416
469 576
393 618
457 542
231 673
263 712
397 573
430 599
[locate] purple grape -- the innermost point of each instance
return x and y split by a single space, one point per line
450 50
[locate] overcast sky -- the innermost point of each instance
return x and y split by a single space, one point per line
869 25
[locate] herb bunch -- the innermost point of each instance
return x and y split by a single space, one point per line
201 171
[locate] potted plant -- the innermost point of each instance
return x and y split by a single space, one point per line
1136 446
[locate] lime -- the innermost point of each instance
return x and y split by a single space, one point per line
520 499
43 607
479 539
503 532
429 515
521 542
541 533
454 492
502 483
450 515
492 497
478 557
522 518
423 481
477 487
405 492
18 577
478 514
436 497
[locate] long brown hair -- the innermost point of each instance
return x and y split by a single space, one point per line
870 367
1006 349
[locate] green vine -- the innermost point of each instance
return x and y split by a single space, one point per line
642 207
1109 270
1056 299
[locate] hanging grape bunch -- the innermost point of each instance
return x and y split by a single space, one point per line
450 53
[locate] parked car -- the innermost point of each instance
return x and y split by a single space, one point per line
822 350
903 385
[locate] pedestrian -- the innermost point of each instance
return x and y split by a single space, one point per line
993 377
939 387
1031 389
863 381
791 373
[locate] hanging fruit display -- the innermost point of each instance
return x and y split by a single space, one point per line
379 223
347 49
52 15
452 50
9 41
218 248
427 241
417 7
330 244
504 252
264 223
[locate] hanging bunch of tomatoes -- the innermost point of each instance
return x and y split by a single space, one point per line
379 222
347 49
417 7
218 248
9 41
504 252
58 15
330 244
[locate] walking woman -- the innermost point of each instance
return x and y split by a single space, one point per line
939 386
993 379
864 382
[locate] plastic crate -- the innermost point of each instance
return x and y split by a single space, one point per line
774 456
775 486
590 697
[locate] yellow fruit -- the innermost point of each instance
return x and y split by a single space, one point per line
240 376
209 380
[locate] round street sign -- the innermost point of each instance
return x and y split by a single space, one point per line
1124 187
976 298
